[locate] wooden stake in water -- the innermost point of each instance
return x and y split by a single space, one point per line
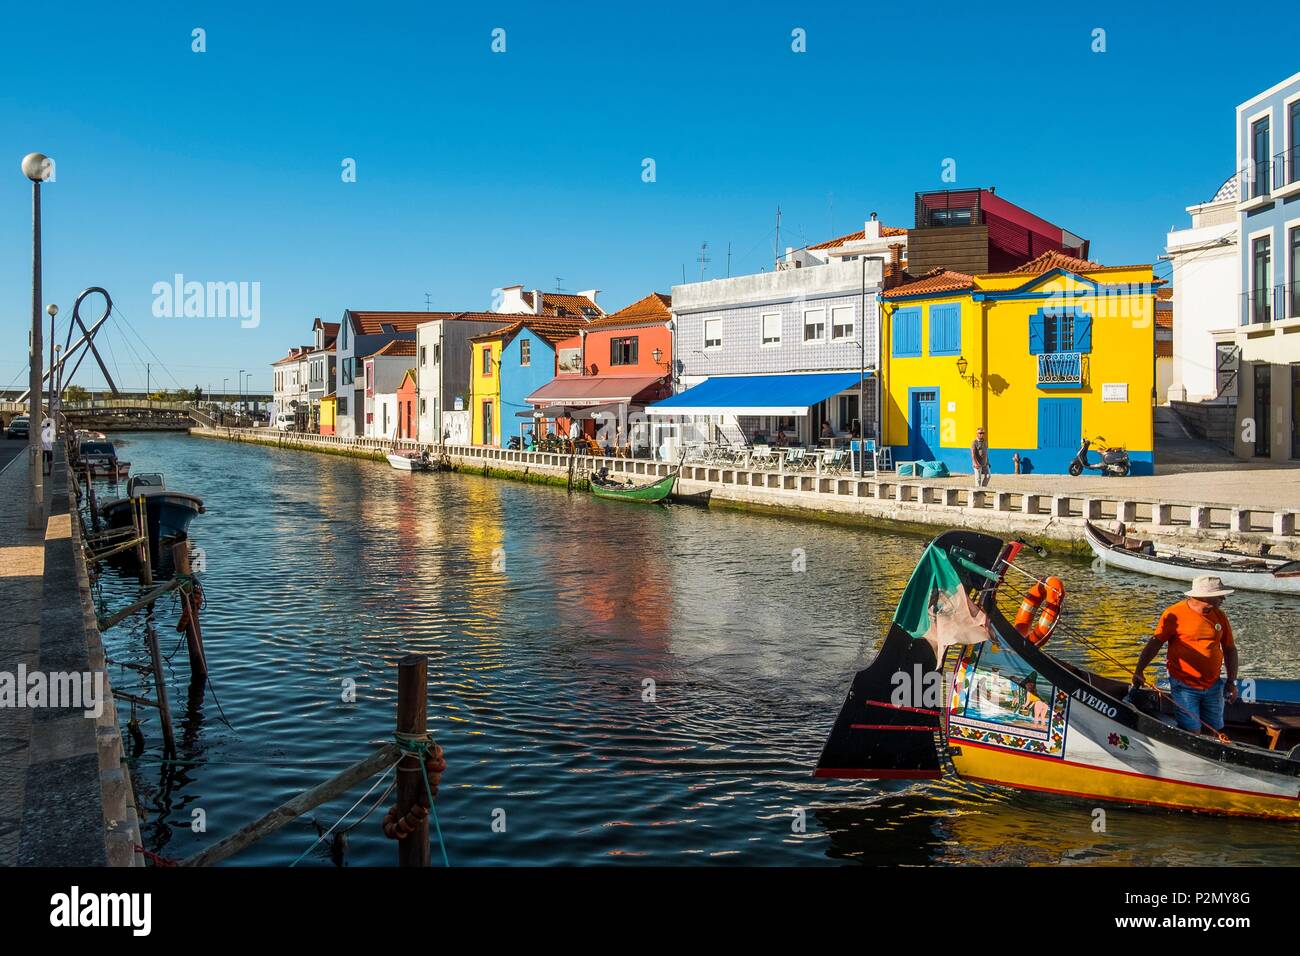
412 719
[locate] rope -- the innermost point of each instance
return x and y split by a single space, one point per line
422 747
154 858
345 814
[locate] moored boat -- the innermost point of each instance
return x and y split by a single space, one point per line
410 460
168 513
1237 570
957 685
100 458
602 486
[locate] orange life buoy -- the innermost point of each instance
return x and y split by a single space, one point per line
1051 611
1025 616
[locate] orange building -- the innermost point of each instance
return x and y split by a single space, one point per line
408 419
615 366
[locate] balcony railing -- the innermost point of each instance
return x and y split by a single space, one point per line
1286 167
1271 304
1255 180
1056 369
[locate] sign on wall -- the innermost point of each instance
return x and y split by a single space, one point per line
1114 392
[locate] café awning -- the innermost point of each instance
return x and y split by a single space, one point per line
757 394
593 389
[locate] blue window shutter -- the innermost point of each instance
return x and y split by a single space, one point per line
907 333
945 329
1037 333
1082 332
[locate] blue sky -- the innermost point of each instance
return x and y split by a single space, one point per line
478 169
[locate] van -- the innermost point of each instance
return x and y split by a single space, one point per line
285 422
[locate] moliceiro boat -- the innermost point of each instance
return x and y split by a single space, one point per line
602 486
1236 570
957 687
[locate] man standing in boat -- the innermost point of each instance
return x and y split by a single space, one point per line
1200 642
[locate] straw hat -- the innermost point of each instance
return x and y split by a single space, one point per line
1207 586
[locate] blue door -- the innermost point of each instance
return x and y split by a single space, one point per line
1060 428
923 430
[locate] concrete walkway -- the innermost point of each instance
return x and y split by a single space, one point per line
65 797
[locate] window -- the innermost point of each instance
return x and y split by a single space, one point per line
437 353
1295 276
848 411
423 405
487 360
814 325
945 329
842 322
347 375
1059 330
341 406
770 328
905 334
1293 149
713 333
1259 147
422 356
525 352
622 351
951 217
1261 257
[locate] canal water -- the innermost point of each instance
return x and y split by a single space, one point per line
610 682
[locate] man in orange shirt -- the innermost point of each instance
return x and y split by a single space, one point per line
1200 641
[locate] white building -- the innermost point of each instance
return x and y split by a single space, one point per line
289 383
384 371
1207 287
581 305
443 368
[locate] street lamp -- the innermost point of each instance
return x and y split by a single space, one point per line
36 167
240 388
962 365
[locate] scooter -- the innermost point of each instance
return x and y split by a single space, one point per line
1114 461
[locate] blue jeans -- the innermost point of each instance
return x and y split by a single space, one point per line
1195 707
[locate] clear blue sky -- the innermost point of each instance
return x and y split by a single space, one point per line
477 170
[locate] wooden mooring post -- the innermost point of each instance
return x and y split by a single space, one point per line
412 723
190 595
160 686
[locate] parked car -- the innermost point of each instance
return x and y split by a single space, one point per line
285 423
20 427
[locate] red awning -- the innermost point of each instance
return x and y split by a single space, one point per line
597 390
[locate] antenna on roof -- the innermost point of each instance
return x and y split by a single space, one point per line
559 287
703 258
428 302
729 258
777 250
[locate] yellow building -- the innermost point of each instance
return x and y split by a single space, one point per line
1058 350
328 413
485 389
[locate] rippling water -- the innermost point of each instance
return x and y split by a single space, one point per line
543 615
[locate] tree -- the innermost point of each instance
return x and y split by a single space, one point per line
75 393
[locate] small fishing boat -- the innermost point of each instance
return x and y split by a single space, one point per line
958 687
1244 571
168 513
410 460
100 457
602 486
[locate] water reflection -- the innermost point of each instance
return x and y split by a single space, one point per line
543 616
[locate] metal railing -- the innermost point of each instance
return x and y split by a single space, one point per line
1265 304
1286 167
1060 368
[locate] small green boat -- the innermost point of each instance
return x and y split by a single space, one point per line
603 487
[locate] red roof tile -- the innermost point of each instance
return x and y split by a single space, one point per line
565 305
934 282
551 329
372 323
654 309
885 231
1055 260
1164 348
404 347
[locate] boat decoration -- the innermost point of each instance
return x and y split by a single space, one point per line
603 486
957 687
1237 570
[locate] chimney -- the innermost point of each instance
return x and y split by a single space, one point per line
894 268
537 302
871 228
591 294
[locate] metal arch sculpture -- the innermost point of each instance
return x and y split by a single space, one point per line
87 339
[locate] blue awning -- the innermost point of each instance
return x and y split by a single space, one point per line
756 394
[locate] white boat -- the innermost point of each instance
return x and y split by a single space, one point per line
1241 571
410 460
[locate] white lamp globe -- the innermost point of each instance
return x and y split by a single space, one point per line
36 167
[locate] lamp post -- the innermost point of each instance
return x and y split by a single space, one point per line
36 167
239 387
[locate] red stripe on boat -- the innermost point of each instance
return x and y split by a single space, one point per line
913 710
